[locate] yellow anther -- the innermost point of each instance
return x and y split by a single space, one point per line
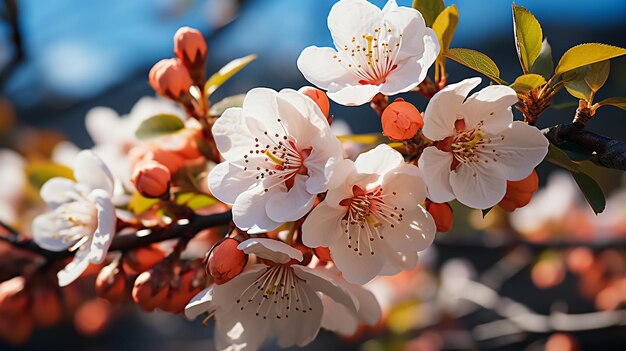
373 222
478 137
273 157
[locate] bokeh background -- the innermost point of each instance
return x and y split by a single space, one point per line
69 56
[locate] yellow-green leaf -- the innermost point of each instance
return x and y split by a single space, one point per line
560 158
139 204
597 74
429 9
543 64
527 82
619 102
39 172
445 26
528 37
592 191
231 101
225 73
477 61
363 139
585 81
585 54
195 201
159 125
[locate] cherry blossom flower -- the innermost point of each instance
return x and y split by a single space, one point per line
478 146
82 217
371 219
280 297
279 153
384 51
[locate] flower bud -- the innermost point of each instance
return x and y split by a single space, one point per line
184 143
442 214
92 317
142 259
226 261
191 49
182 291
170 78
319 97
323 253
46 307
170 159
13 296
111 283
401 120
519 193
16 330
151 179
151 288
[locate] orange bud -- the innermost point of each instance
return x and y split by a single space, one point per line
151 288
184 143
519 193
191 49
16 330
13 296
92 317
323 253
111 283
319 97
442 214
182 292
46 307
225 261
170 78
170 159
562 342
142 259
151 179
401 120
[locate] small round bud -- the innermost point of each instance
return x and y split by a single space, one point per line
226 261
442 214
92 317
401 120
184 143
519 193
182 291
151 288
111 283
151 179
319 97
142 259
170 159
13 296
46 307
191 49
170 78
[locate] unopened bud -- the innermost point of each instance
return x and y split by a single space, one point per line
182 291
170 159
183 143
319 97
323 253
16 330
226 261
151 179
142 259
111 283
151 288
170 78
442 214
519 193
13 296
46 307
401 120
191 49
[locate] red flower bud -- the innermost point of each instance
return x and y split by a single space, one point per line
16 330
170 78
142 259
519 193
401 120
442 214
13 296
323 253
170 159
225 261
46 307
111 283
319 97
151 288
151 179
191 49
182 291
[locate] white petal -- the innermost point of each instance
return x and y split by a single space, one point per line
444 109
369 310
522 149
57 191
492 107
406 186
352 95
435 166
326 154
270 249
249 210
320 68
352 18
337 318
231 134
74 269
103 236
227 181
322 281
89 170
415 232
379 160
342 171
399 261
478 186
291 205
322 226
200 304
356 269
45 232
260 104
300 328
98 122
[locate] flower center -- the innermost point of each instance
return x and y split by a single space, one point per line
371 57
276 293
368 213
75 222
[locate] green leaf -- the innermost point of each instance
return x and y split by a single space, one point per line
445 26
429 9
619 102
592 191
543 64
225 73
528 37
139 204
597 74
585 81
560 158
218 108
159 125
195 201
527 82
585 54
39 172
477 61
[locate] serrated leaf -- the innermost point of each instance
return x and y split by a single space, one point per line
543 64
225 73
560 158
597 74
574 83
39 172
619 102
592 191
527 82
429 9
528 37
477 61
445 26
219 107
585 54
139 204
159 125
